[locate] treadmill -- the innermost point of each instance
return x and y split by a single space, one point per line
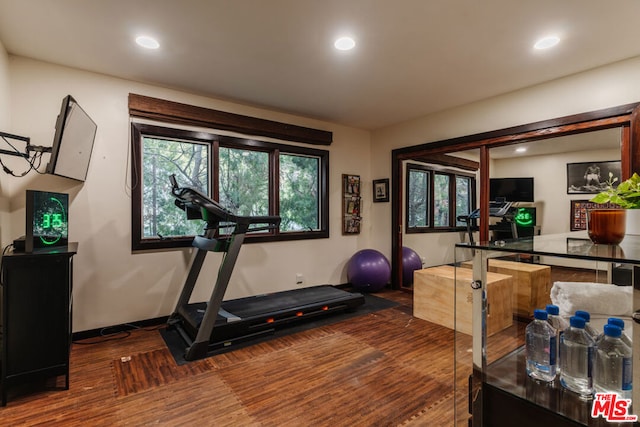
209 327
497 208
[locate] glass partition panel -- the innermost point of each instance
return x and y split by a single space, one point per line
499 285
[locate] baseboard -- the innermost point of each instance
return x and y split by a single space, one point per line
124 327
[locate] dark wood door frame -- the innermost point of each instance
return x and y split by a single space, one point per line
625 116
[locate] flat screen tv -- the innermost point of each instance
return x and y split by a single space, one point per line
511 189
47 220
72 141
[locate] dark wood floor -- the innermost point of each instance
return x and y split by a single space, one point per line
386 368
381 369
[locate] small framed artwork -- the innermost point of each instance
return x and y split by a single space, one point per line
351 184
381 190
351 225
591 177
579 208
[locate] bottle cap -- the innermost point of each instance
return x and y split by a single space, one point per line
553 309
616 321
540 314
584 314
612 331
577 322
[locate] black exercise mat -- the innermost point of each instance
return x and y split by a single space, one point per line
371 304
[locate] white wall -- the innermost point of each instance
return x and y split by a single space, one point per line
4 89
5 118
604 87
113 285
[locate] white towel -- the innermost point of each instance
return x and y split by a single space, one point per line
596 298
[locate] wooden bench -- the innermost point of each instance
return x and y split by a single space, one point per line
532 284
433 298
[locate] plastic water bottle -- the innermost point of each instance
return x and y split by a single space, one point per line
559 324
587 327
613 370
576 358
540 345
554 318
619 322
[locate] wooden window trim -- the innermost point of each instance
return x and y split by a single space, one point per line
138 243
175 112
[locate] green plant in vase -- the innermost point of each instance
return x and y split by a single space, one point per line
626 194
610 225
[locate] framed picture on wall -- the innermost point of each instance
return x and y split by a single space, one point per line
591 177
579 208
351 201
381 190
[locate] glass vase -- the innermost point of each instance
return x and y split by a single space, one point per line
606 226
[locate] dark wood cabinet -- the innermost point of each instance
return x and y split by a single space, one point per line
35 302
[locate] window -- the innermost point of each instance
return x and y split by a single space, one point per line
243 181
436 197
189 161
247 176
418 186
464 191
441 196
299 197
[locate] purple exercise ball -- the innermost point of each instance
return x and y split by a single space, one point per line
410 262
368 270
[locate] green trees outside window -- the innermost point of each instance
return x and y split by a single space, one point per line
464 192
418 198
246 176
299 193
436 197
160 158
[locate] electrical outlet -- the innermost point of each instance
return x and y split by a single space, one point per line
299 279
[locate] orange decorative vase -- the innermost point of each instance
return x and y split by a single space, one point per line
606 226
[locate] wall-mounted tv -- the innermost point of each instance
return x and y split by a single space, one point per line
72 142
511 189
47 220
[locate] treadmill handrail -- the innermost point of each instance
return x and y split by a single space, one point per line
190 196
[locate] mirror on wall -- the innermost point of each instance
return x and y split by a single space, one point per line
560 171
439 193
555 161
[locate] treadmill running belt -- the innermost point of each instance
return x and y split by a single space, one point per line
242 318
269 303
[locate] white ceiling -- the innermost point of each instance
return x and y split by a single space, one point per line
413 57
595 140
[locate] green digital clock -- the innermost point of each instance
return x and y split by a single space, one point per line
525 217
47 219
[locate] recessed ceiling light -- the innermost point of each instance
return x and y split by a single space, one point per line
521 149
345 43
147 42
547 42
